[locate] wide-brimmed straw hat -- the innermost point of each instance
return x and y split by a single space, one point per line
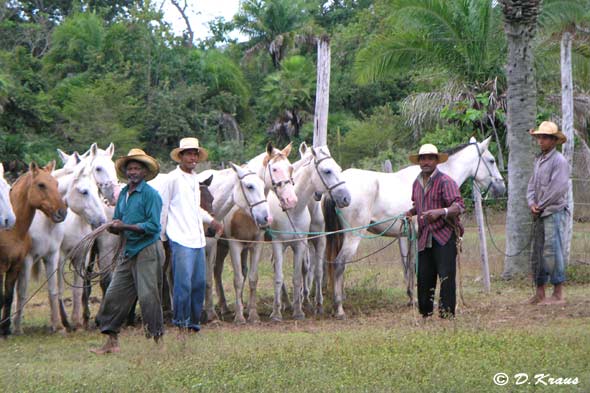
186 144
428 149
138 155
549 128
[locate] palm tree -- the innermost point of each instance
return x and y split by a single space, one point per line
270 25
520 21
459 42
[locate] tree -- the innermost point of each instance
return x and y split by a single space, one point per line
520 21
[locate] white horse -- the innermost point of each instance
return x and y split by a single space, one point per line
316 172
274 168
378 197
80 192
7 218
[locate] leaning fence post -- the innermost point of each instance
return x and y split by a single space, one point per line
322 98
483 248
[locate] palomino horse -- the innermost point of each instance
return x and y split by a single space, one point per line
379 197
316 172
7 218
80 192
276 170
36 189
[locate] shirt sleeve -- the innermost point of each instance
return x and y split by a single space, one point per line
207 218
117 214
451 194
165 195
153 210
558 185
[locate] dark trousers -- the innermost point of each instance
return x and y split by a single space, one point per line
439 260
137 277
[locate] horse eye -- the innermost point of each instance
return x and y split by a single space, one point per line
98 169
84 192
491 160
250 187
41 186
328 171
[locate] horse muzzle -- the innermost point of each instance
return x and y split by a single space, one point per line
59 215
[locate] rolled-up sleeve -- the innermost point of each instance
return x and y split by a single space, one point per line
451 194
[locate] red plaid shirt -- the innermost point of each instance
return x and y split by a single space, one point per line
441 192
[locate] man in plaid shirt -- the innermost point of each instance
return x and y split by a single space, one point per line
438 204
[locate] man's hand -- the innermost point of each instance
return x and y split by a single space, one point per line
535 210
116 227
217 227
433 215
409 214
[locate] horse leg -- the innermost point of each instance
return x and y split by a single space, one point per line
407 263
298 256
253 281
318 266
235 252
349 247
87 290
77 291
306 272
222 251
60 296
210 254
52 273
9 284
278 282
22 284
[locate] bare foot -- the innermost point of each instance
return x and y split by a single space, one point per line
552 301
535 299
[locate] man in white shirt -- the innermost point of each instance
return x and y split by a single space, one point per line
182 222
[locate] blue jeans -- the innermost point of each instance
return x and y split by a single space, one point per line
550 243
188 269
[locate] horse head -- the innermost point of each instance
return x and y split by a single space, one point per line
486 174
278 174
7 218
327 176
206 195
103 170
43 193
249 195
82 196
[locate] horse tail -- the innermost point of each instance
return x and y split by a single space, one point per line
333 241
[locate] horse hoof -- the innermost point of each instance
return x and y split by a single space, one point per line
239 321
276 317
212 316
340 317
253 318
299 316
319 310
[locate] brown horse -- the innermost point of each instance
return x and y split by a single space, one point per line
36 189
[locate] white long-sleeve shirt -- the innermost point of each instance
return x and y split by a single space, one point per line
182 216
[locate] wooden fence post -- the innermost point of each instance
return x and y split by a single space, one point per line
483 247
322 96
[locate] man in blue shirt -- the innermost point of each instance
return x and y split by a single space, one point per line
139 271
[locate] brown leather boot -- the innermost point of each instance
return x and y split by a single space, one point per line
111 346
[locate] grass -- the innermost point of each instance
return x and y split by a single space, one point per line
383 346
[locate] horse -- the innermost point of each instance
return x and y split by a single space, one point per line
246 237
316 172
79 191
380 197
7 218
36 189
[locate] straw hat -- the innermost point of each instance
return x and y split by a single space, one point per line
549 128
428 149
137 155
186 144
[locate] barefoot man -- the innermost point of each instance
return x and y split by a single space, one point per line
547 199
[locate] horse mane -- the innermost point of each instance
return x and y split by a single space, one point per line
456 149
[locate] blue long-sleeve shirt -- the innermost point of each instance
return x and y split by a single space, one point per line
143 208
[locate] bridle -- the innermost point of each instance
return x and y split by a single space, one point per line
317 168
487 166
250 204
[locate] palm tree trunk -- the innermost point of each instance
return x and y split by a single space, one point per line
520 19
567 125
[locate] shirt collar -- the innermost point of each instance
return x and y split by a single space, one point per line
139 188
548 155
431 178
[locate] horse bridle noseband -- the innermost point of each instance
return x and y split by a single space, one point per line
479 161
250 205
326 186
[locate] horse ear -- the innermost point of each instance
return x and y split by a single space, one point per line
313 152
472 140
1 169
33 167
269 148
63 156
287 150
207 182
486 143
93 149
302 148
111 149
50 165
77 157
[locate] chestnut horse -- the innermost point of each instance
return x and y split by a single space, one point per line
36 189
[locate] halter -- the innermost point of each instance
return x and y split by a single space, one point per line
479 161
277 184
326 186
250 205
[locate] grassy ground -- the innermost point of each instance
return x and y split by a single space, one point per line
383 346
